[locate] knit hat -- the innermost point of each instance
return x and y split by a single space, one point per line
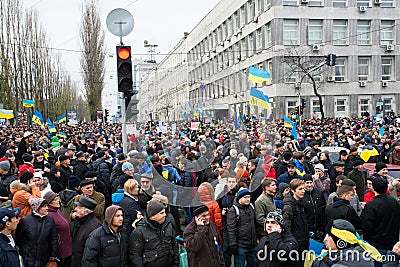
50 196
242 192
25 177
199 210
306 150
276 215
379 166
161 198
268 159
307 177
36 203
4 164
348 182
26 157
358 162
154 207
282 187
126 166
319 166
121 156
380 185
101 154
62 158
343 152
73 181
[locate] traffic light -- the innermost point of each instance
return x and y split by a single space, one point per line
303 102
330 59
297 110
124 69
105 115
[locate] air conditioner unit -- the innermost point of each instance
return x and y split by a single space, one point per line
377 2
384 83
390 47
362 83
304 1
316 48
331 79
362 8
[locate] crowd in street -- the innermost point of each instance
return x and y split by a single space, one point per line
255 196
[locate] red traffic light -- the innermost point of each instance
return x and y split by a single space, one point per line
124 53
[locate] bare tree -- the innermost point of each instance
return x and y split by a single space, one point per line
93 57
301 65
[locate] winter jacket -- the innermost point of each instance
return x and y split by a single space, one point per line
131 207
5 181
100 200
104 247
173 175
381 222
24 147
206 196
345 257
394 157
21 198
295 219
25 167
37 239
359 178
242 229
63 232
67 202
341 209
314 207
263 205
283 242
153 245
225 200
80 168
81 233
201 247
116 172
9 256
65 174
187 179
286 178
393 259
102 171
117 196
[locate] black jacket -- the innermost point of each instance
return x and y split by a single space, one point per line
295 219
103 248
381 221
116 171
131 208
225 200
283 242
314 207
102 171
341 209
153 245
80 168
5 181
65 174
242 229
37 239
81 233
9 256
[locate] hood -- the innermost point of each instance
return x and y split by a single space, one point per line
110 212
54 139
206 192
339 202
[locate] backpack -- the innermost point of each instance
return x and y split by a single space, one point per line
237 210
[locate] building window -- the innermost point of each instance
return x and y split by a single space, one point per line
363 69
339 32
260 39
387 102
290 2
363 32
260 6
270 69
315 31
340 70
229 27
290 75
252 10
364 3
243 15
237 20
387 32
291 106
387 69
341 105
290 31
339 3
316 107
317 73
268 4
364 105
315 3
269 34
387 3
251 44
244 48
224 30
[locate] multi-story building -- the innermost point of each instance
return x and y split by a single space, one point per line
289 38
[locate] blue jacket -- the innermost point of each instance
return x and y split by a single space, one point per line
117 196
286 178
173 175
9 256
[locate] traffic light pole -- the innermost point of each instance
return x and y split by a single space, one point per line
124 135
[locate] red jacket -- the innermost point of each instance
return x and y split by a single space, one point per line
206 196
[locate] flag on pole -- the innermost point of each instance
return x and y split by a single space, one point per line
49 122
28 103
6 114
184 116
257 98
37 118
258 75
288 123
52 128
62 118
62 134
235 121
381 131
367 153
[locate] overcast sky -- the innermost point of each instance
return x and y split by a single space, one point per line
161 22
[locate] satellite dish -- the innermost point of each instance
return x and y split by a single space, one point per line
120 22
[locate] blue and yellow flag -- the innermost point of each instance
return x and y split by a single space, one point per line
62 134
236 121
184 116
37 118
62 118
28 103
52 128
367 153
6 114
257 98
49 122
290 124
381 131
258 75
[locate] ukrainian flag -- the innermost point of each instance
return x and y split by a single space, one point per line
37 118
257 98
49 122
6 114
52 129
62 134
367 153
290 124
28 103
236 122
62 118
258 75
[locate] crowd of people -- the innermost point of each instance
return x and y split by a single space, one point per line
248 197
